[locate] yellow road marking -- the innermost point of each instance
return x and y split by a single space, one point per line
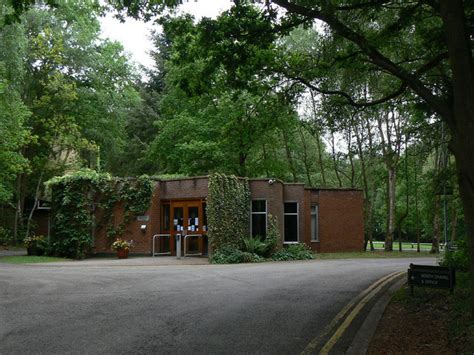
313 344
331 342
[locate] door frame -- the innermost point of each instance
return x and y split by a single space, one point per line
185 204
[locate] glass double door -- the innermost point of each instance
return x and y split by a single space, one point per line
187 219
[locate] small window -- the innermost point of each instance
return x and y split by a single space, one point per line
165 218
314 223
259 218
291 222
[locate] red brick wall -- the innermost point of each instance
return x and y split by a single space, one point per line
192 188
341 221
341 226
189 188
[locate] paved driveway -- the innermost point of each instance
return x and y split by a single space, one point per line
250 308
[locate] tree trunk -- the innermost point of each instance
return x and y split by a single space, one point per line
454 223
334 159
18 209
317 135
436 226
320 157
35 205
391 186
305 155
289 157
417 211
462 122
265 158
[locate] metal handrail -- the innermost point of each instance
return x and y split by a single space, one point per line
185 244
159 236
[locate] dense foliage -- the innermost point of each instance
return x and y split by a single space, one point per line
298 251
228 211
301 95
64 96
84 202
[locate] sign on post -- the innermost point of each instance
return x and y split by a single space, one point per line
431 276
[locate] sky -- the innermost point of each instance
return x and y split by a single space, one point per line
135 35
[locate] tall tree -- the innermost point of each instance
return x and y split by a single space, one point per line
425 46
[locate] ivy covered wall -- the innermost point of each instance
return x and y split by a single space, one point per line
228 211
78 198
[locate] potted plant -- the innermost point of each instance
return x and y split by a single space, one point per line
35 245
122 247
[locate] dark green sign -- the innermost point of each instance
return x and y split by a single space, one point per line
431 276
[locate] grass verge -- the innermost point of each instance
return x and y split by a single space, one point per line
23 259
430 321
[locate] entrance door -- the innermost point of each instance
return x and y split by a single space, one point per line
187 219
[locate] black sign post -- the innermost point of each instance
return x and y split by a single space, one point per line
431 276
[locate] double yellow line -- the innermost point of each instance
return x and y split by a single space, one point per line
363 298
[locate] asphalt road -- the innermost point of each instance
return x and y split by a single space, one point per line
250 308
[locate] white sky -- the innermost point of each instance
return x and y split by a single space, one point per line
134 35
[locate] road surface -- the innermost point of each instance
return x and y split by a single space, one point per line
248 308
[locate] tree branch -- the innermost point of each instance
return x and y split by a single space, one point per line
376 57
348 98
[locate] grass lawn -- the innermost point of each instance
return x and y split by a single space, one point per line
371 255
23 259
405 245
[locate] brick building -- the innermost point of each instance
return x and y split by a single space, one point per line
327 220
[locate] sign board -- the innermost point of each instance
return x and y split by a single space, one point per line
431 276
143 218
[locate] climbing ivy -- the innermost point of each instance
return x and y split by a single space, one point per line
228 211
273 234
77 199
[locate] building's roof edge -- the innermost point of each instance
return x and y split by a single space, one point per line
314 188
333 188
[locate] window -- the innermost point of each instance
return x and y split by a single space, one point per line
314 223
259 218
165 218
291 222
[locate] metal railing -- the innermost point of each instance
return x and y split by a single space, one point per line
159 236
186 244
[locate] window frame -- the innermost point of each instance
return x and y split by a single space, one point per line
297 214
252 213
316 214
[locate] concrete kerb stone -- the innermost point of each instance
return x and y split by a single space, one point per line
131 261
360 343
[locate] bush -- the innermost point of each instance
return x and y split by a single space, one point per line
459 258
37 244
255 246
5 237
298 251
230 255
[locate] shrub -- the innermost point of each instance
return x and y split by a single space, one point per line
38 243
5 236
298 251
227 255
255 245
231 255
459 258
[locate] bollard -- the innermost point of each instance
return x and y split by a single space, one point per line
178 246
